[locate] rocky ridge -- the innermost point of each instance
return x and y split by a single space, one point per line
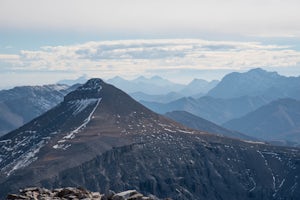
71 193
20 105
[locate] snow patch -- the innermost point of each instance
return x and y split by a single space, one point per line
71 135
5 141
271 172
253 142
61 146
282 182
169 130
27 158
183 131
92 85
254 184
82 104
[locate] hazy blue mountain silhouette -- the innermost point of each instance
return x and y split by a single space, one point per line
198 123
216 110
257 82
152 86
198 87
160 98
160 86
277 121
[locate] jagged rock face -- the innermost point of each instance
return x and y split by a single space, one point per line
36 193
191 167
105 140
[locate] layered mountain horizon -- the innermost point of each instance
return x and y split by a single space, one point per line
216 109
99 137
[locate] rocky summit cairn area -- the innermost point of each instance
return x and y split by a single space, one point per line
70 193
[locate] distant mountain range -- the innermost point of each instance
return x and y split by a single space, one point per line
158 86
100 138
21 104
216 110
70 82
159 98
239 97
278 121
152 86
198 87
257 82
198 123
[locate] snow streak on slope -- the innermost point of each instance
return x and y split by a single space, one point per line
82 104
21 151
27 158
61 144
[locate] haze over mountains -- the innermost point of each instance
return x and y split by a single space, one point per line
159 86
257 82
237 95
243 93
213 109
278 121
198 123
99 138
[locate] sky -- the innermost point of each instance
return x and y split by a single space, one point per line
45 41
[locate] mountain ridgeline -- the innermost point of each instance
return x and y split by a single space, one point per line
22 104
257 82
216 110
198 123
278 121
159 86
100 138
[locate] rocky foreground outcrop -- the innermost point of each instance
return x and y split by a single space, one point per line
70 193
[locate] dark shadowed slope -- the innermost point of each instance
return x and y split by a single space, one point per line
198 123
278 121
100 138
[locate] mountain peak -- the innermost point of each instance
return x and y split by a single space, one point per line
116 78
198 81
260 71
141 78
91 89
82 79
156 78
254 82
257 70
94 83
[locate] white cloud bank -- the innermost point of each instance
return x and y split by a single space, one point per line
135 57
